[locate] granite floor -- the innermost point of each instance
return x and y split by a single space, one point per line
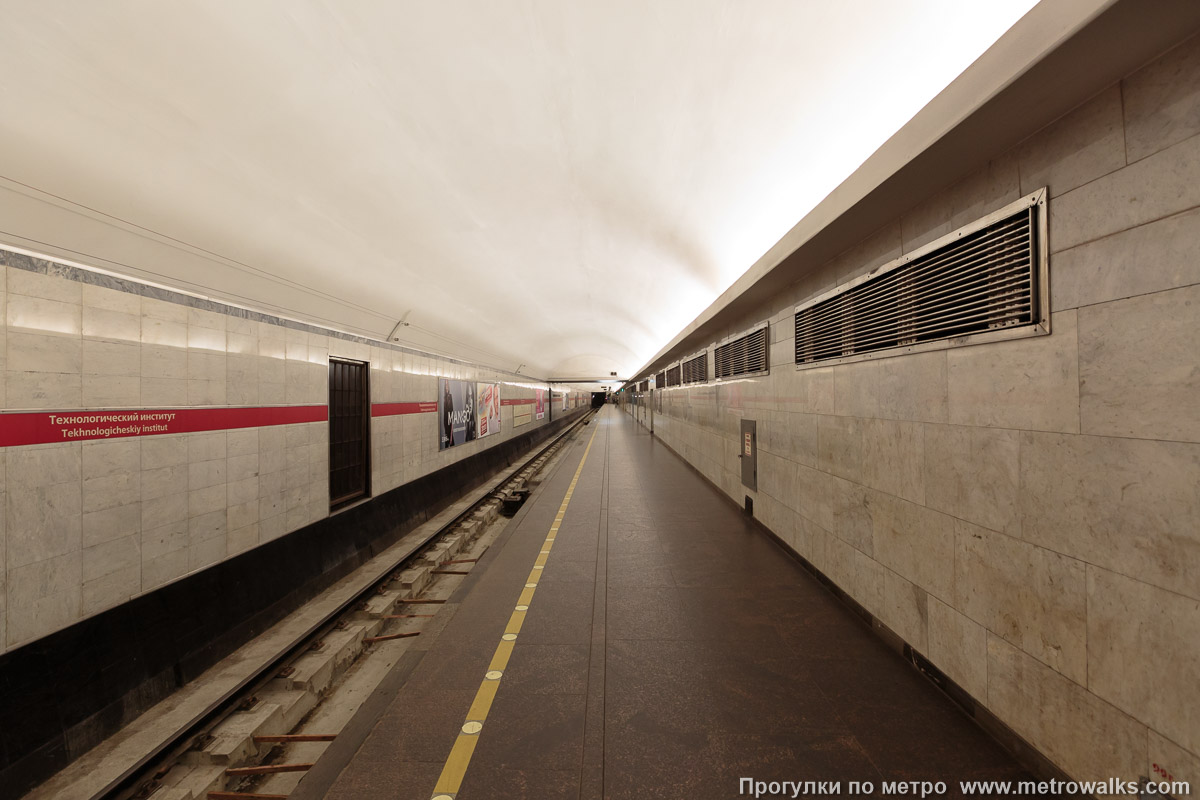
671 649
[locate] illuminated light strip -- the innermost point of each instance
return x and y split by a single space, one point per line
392 409
45 427
459 759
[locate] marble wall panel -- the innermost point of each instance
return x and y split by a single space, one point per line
916 542
893 458
913 387
987 189
840 447
1029 384
973 474
958 646
1087 737
1160 255
43 596
49 287
1138 366
899 604
44 504
1158 186
1162 102
1144 653
816 492
856 388
1087 143
853 514
1030 596
1171 759
927 221
111 574
111 325
1127 505
33 390
875 250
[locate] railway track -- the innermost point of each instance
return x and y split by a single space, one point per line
259 739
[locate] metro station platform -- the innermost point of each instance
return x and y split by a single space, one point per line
670 649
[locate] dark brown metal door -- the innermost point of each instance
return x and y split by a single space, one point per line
349 432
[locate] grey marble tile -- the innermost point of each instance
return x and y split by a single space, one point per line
1158 186
43 596
1087 143
1162 101
973 474
1160 255
1028 384
1128 620
958 646
989 188
1087 737
894 458
840 447
1030 596
916 542
1138 366
1126 505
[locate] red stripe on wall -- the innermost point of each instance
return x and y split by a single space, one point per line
391 409
45 427
518 401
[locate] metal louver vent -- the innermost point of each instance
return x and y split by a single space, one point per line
673 376
660 380
984 282
743 355
695 370
643 386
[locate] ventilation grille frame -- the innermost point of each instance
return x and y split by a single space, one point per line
1032 205
673 375
730 361
695 368
660 380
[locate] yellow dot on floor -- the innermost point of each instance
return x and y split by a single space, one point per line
509 637
442 797
472 727
522 608
531 586
493 675
539 566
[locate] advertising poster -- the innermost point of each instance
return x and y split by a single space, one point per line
566 396
539 402
488 397
456 413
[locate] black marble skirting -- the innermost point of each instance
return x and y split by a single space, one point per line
65 693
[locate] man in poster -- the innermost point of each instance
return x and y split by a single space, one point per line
447 410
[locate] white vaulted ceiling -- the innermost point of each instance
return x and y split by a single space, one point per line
553 183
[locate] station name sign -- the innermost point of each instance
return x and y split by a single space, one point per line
47 427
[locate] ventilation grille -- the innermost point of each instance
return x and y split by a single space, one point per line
695 370
673 376
742 356
660 380
643 386
981 281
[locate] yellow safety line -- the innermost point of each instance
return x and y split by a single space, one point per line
459 759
